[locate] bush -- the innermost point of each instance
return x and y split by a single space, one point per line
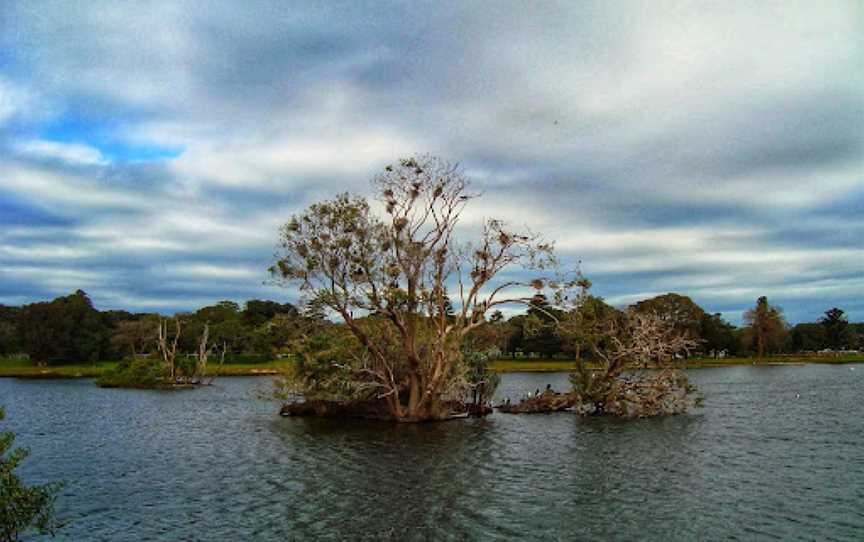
139 373
22 508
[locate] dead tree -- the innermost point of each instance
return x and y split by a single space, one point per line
221 350
636 369
169 351
201 355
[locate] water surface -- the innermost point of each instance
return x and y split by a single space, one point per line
777 453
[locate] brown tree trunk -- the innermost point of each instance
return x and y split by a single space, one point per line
760 345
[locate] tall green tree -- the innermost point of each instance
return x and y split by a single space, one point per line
766 327
838 335
717 335
22 508
67 329
10 342
676 310
258 312
807 337
540 329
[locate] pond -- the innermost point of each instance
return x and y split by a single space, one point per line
776 454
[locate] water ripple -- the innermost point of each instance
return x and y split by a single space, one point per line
774 455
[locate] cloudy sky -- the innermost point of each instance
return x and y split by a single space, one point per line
148 153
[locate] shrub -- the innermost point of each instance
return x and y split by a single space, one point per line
22 508
140 373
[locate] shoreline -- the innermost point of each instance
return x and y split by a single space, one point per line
18 369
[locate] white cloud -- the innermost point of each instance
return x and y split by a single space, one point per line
47 187
72 153
672 138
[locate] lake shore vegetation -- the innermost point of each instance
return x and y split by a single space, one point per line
23 508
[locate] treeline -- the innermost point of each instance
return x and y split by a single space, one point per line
70 330
765 330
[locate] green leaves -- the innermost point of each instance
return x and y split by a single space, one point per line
22 508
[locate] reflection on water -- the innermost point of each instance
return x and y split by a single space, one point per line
776 453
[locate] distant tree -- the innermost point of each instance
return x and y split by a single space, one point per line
135 336
22 508
807 337
587 324
539 328
225 326
838 335
9 338
678 311
857 331
258 312
717 335
66 329
766 327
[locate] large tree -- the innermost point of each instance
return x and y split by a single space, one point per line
838 335
67 329
717 335
807 337
678 311
388 279
766 327
9 337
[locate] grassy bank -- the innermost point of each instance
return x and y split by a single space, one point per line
24 369
13 368
776 360
534 365
548 365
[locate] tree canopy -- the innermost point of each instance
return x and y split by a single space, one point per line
398 268
766 327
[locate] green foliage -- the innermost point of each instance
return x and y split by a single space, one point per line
766 328
258 312
483 382
677 310
838 335
10 342
143 373
718 335
22 508
328 366
807 338
67 329
690 320
584 327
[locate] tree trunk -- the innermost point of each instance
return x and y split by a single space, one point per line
414 396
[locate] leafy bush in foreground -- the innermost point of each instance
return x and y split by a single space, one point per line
22 508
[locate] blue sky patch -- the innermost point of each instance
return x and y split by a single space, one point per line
99 133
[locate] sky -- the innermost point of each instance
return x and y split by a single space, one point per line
149 152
